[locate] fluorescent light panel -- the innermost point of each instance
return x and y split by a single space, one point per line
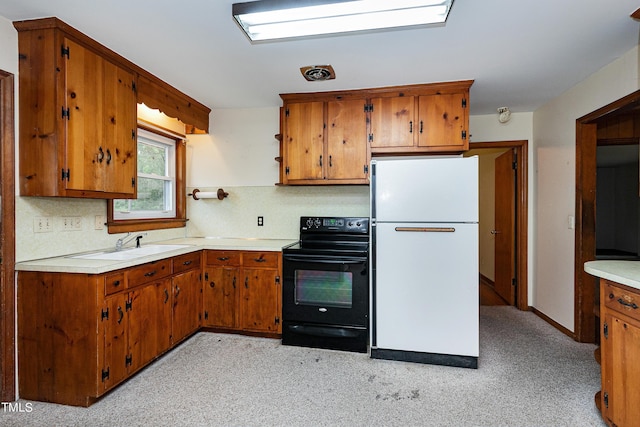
278 19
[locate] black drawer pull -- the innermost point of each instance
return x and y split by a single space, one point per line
151 273
187 263
223 258
116 283
259 259
628 304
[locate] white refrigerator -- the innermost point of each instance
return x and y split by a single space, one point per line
425 269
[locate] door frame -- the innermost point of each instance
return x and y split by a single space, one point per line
522 218
7 213
585 285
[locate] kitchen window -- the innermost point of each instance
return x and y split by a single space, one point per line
160 201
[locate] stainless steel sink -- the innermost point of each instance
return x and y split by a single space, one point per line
129 253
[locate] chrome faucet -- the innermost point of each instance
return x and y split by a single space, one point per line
124 240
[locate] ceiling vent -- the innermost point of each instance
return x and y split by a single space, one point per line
316 73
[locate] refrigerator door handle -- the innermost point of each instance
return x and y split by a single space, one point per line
427 229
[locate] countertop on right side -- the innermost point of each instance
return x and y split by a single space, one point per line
623 272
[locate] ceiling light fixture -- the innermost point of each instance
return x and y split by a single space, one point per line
280 19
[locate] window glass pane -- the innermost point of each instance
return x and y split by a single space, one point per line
156 180
151 195
152 159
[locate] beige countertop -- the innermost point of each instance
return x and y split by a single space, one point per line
623 272
69 264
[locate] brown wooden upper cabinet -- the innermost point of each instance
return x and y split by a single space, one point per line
325 142
329 137
78 113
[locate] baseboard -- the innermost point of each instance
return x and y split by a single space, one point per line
553 323
486 280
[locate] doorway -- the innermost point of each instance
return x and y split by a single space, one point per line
510 248
7 239
587 325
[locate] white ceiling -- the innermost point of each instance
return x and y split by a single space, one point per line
521 53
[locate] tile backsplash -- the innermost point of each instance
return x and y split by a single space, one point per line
235 216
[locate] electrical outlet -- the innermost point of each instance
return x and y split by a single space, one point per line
42 224
260 221
71 223
100 221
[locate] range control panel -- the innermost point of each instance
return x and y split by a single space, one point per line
358 225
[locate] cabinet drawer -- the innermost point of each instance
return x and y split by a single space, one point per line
223 258
148 272
260 259
114 283
186 262
622 300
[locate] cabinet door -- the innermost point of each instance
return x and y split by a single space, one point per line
347 140
304 141
621 376
442 122
85 140
220 296
120 145
186 304
259 301
115 340
393 122
149 322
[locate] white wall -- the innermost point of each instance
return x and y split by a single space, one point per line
554 127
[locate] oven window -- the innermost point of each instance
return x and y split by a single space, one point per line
326 288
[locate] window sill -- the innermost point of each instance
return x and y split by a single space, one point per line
132 225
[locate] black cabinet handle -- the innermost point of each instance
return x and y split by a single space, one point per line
166 295
259 259
246 282
100 154
411 126
151 273
186 263
628 304
108 156
120 314
223 258
321 160
212 284
116 283
421 126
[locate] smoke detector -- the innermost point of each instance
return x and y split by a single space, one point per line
504 114
317 73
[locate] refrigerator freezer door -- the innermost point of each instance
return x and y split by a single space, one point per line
426 288
426 190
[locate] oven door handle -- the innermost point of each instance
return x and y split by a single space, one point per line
325 260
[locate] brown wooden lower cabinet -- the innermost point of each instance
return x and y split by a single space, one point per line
620 354
242 291
79 335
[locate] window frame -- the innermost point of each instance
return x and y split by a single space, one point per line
180 218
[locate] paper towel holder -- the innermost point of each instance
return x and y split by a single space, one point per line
220 194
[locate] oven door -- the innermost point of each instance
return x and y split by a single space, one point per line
325 289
